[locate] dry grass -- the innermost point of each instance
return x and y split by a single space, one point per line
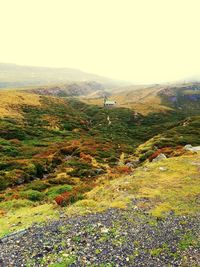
143 101
12 101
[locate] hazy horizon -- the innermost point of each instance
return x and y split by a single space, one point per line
142 42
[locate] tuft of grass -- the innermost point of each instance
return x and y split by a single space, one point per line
67 260
188 240
32 195
156 252
37 185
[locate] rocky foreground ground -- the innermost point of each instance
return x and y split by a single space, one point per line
129 237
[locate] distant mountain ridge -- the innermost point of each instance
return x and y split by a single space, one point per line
73 89
156 98
12 75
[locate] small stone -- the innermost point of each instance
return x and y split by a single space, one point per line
104 230
162 169
160 157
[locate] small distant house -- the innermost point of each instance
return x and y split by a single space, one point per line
109 103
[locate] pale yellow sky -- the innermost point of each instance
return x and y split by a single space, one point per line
143 41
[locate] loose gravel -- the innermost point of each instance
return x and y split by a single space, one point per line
125 237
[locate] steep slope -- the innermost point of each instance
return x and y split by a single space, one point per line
172 140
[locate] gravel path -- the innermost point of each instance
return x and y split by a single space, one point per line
128 237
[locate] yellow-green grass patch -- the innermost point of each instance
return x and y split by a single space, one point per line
24 217
176 189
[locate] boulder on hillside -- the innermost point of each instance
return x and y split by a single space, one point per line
192 148
160 157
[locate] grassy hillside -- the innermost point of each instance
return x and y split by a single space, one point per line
39 132
54 150
12 103
171 141
170 185
157 98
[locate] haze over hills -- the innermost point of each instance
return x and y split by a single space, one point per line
12 75
146 99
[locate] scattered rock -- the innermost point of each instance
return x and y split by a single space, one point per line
160 157
129 165
192 148
104 230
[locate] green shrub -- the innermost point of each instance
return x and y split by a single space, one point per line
40 168
10 151
38 185
82 173
32 195
31 169
16 176
104 154
146 155
78 164
2 197
57 190
3 183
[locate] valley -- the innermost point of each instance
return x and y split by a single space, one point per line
85 185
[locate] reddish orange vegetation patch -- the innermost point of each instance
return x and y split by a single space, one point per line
76 194
46 153
123 169
168 151
86 157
